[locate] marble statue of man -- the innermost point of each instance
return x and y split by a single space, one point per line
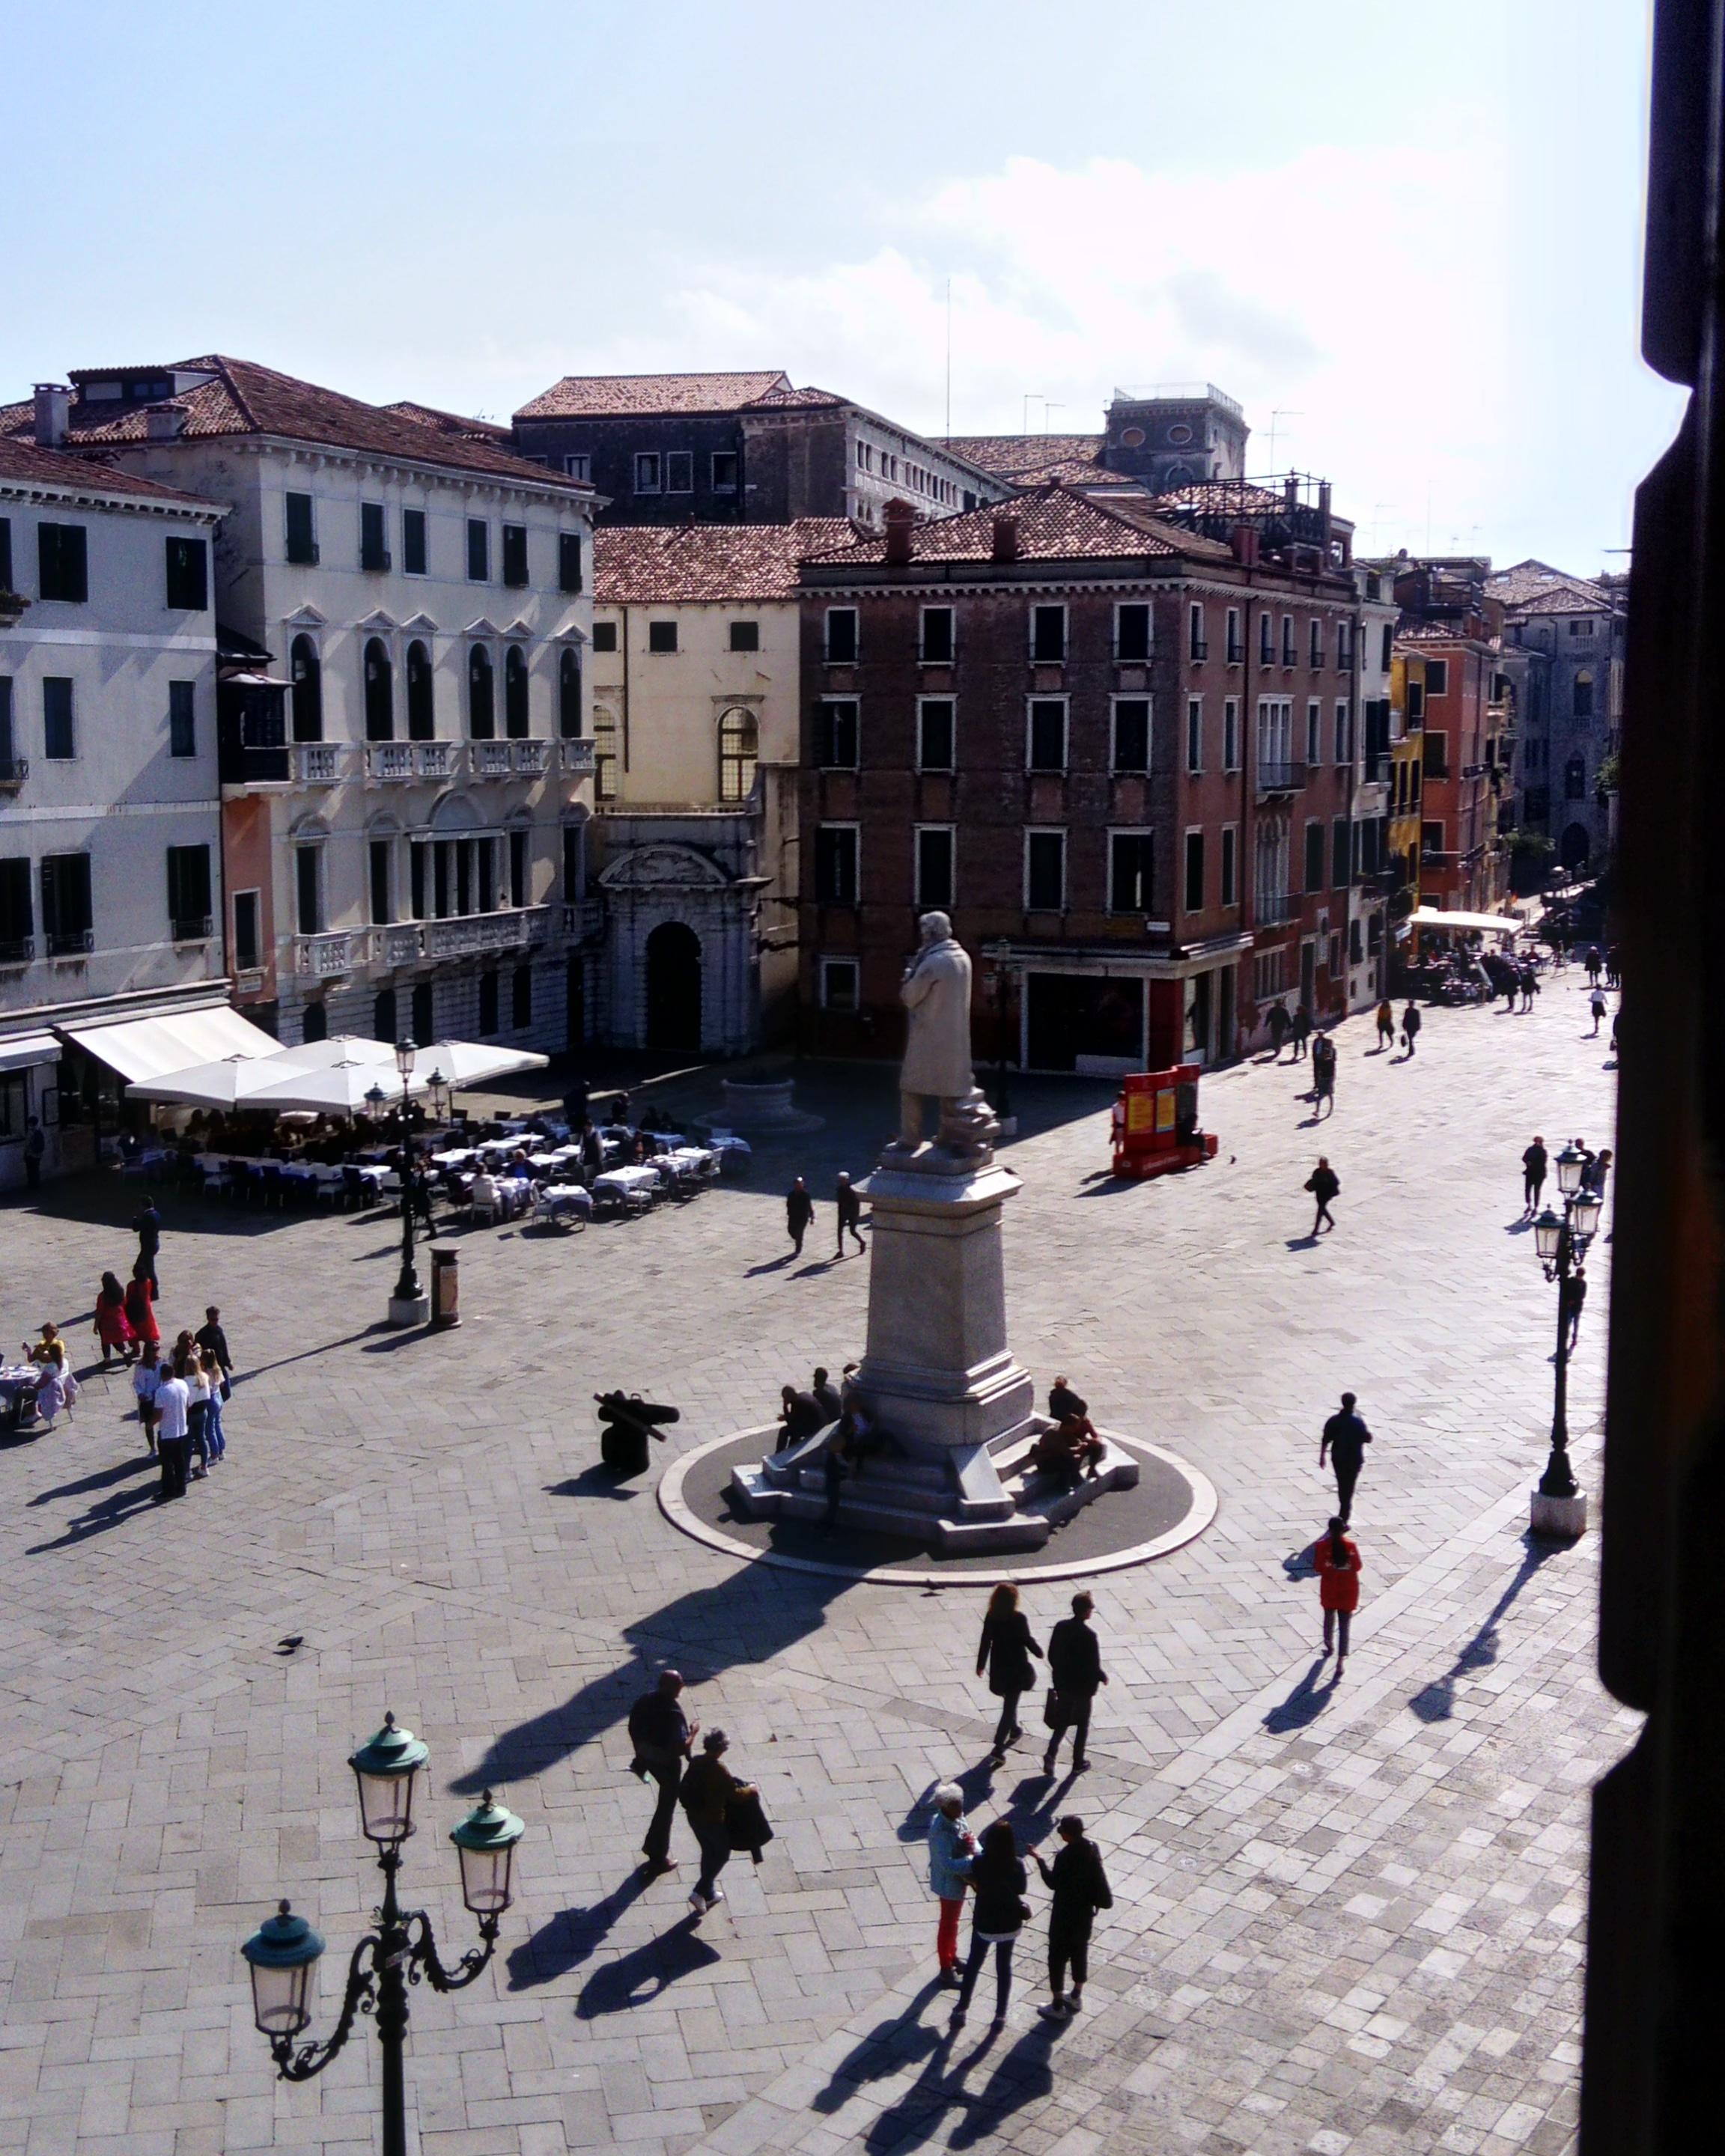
936 993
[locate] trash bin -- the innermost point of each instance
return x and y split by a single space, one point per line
445 1289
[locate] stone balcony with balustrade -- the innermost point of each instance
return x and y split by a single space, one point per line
414 762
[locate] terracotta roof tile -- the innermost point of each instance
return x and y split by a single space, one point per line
785 398
241 398
657 564
25 460
1217 497
451 423
1055 523
600 396
1008 455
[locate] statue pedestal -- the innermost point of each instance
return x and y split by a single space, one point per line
952 1414
937 1368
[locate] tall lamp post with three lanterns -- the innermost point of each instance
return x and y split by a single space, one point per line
1559 1506
285 1950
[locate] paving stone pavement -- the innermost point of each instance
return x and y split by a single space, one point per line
1348 1916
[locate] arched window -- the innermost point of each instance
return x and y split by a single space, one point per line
380 693
307 677
422 711
569 694
1583 695
481 708
739 752
604 754
1575 779
383 1026
514 693
315 1022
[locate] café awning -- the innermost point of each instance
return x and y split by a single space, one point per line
22 1051
147 1047
1485 924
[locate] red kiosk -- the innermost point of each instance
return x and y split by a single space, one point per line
1156 1123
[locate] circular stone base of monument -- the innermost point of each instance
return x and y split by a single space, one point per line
1172 1503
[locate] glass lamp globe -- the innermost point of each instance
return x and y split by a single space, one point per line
1569 1166
486 1840
1585 1213
385 1770
405 1051
282 1952
1548 1229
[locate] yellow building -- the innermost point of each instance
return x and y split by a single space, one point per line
695 703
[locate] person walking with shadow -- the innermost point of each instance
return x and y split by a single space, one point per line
709 1790
663 1739
148 1228
850 1210
798 1214
1277 1022
1597 1004
1324 1184
1534 1162
1005 1653
1335 1559
1344 1440
1574 1292
1080 1887
997 1914
1410 1026
1386 1026
1074 1671
1302 1031
1323 1072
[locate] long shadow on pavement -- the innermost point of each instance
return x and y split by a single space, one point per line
1436 1702
1303 1704
101 1480
570 1937
1021 2074
638 1977
745 1618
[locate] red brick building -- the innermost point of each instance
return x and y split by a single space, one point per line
1118 749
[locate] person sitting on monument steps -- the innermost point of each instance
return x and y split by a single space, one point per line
936 993
825 1395
1063 1401
799 1416
1067 1450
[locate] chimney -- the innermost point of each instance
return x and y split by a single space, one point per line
901 520
1006 536
1243 540
164 423
53 412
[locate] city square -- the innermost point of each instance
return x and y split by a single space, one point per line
1347 1915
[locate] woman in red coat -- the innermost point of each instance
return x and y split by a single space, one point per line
141 1302
113 1329
1336 1562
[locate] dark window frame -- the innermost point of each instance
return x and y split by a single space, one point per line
63 563
512 557
186 567
300 530
183 719
415 543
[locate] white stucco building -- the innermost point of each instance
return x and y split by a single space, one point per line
406 773
696 718
110 895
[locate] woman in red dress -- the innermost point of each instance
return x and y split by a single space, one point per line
1336 1562
141 1303
113 1327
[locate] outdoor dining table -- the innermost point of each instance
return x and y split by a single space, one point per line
456 1157
17 1390
627 1184
563 1201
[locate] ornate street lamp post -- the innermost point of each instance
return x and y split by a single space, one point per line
1560 1507
285 1949
409 1305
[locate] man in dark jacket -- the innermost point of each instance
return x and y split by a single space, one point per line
709 1789
1410 1026
148 1228
799 1212
1302 1031
1345 1439
1074 1671
849 1207
1534 1161
1323 1072
210 1335
825 1395
662 1735
1324 1184
1080 1887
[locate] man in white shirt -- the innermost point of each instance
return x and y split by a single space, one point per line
173 1441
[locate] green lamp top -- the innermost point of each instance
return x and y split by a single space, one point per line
283 1941
392 1751
488 1826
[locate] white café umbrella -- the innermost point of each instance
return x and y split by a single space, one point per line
474 1062
231 1081
339 1088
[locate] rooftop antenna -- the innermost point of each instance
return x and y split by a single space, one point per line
949 359
1046 408
1285 411
1029 395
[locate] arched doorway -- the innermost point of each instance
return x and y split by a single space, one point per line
1574 847
674 989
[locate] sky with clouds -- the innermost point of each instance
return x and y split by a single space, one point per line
1405 238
